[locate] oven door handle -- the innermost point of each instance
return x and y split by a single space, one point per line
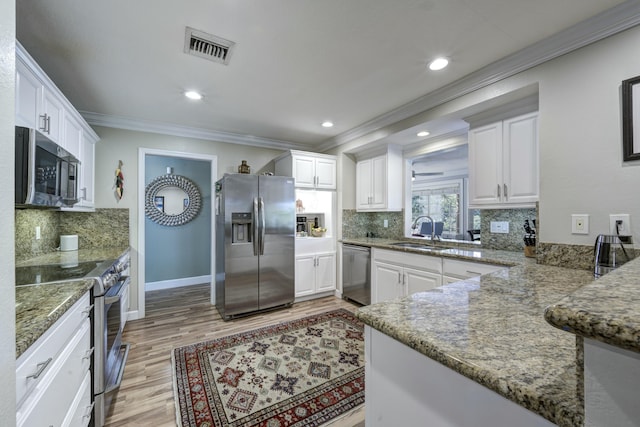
115 298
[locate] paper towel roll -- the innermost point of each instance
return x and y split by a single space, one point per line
69 242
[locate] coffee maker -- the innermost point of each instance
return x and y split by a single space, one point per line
610 253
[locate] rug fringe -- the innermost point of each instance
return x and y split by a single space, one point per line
176 400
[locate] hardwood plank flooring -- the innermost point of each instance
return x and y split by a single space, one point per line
182 316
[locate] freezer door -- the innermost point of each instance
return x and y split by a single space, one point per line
276 244
241 267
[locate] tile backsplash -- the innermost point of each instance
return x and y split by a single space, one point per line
102 228
358 224
511 241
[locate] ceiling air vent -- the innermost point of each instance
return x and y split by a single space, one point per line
207 46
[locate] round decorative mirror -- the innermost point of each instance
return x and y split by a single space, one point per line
172 200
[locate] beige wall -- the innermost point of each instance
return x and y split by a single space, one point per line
581 168
7 254
118 144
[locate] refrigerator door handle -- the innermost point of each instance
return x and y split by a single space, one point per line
263 224
255 225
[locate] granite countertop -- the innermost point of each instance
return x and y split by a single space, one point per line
605 310
39 306
468 252
492 330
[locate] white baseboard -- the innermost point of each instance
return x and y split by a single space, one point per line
176 283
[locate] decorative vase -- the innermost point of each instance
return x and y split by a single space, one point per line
244 167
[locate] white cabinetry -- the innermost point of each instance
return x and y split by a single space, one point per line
379 182
315 273
310 170
53 382
397 274
40 105
455 270
503 163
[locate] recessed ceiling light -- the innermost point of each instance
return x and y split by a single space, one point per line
423 133
438 64
327 124
191 94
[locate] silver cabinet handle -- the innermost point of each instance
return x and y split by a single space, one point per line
88 354
475 273
41 367
48 124
43 128
87 310
498 191
506 196
87 413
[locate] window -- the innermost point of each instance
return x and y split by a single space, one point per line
442 201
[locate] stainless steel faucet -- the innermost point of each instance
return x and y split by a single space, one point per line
433 225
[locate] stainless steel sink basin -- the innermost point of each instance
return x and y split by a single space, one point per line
419 246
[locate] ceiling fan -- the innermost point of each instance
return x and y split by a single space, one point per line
414 174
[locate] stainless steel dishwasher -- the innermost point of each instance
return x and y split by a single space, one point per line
356 274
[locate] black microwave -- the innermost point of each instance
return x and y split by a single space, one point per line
46 174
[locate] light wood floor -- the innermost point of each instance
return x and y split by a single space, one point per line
177 317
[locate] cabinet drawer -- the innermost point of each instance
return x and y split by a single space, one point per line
464 270
423 262
79 414
49 346
50 400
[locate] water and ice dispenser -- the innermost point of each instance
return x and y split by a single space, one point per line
241 227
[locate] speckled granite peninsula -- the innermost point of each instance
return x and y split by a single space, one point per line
492 330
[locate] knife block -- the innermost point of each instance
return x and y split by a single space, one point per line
530 251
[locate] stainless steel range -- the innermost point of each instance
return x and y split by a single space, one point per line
110 353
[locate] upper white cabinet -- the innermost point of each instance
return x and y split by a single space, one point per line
503 163
40 105
379 182
310 170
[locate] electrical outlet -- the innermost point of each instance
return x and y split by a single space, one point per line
624 228
580 224
38 235
501 227
386 223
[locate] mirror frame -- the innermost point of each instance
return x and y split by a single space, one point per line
170 180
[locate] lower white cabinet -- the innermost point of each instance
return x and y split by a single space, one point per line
53 381
397 274
315 273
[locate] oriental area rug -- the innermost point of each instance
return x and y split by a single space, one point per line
305 372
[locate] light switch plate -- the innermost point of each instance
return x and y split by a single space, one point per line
500 227
579 224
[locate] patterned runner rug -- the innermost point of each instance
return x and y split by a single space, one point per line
299 373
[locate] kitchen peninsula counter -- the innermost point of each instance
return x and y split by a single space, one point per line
492 330
39 306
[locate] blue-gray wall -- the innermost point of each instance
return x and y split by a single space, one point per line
183 251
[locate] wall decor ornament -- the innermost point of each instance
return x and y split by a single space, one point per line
631 119
119 181
191 207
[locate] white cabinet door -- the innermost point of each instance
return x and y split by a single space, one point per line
364 170
87 173
325 272
51 117
386 282
419 281
305 275
28 97
304 171
485 164
379 183
325 173
72 135
520 159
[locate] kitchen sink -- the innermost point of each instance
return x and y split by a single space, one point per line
419 246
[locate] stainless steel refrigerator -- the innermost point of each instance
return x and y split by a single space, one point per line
255 232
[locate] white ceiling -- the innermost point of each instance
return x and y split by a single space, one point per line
296 63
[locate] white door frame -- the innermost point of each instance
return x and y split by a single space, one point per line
142 154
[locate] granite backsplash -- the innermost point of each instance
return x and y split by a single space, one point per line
102 228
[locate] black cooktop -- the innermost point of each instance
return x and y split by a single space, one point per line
51 273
